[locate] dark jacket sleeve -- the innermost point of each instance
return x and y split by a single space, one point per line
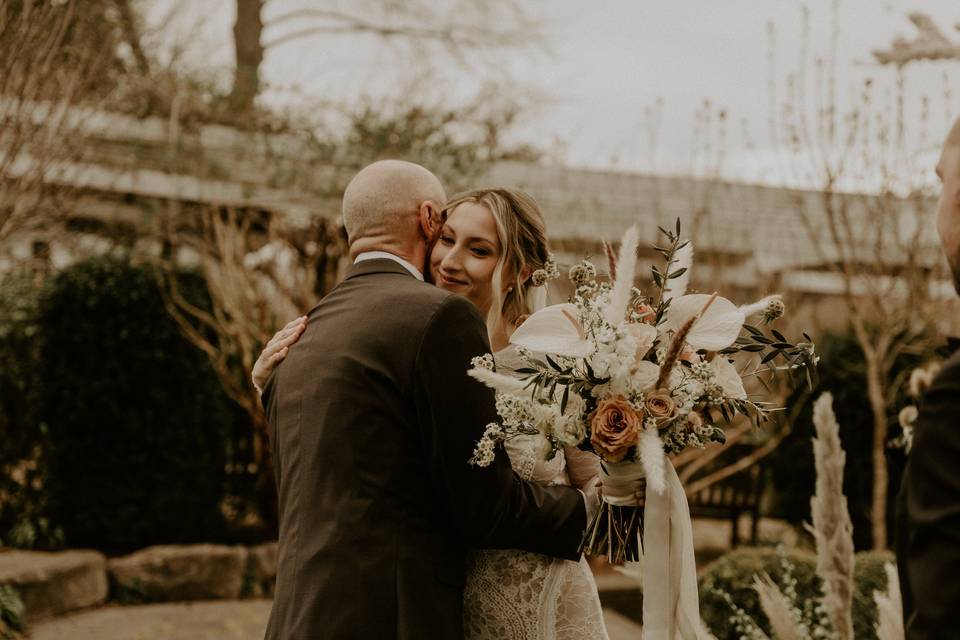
928 544
491 506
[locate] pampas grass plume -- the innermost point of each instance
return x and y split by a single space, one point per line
499 382
832 528
889 607
777 609
626 268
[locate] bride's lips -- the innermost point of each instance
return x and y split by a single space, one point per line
451 282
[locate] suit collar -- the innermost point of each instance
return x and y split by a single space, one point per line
372 255
377 265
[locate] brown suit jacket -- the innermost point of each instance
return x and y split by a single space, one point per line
372 419
928 514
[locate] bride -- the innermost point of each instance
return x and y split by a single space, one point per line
492 249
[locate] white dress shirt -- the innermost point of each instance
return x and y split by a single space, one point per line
376 255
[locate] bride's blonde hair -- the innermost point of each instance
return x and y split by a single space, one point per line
523 249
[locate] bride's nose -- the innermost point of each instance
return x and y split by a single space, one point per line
451 261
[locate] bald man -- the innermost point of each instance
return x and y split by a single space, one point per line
928 510
372 420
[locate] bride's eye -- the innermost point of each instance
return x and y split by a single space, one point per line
447 240
480 252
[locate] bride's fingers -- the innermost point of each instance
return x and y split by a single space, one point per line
286 336
293 323
278 356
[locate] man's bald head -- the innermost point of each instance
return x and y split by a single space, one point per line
383 201
948 208
953 138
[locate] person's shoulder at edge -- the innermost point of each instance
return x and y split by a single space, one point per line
949 374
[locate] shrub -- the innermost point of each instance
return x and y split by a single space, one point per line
733 573
135 414
22 521
11 613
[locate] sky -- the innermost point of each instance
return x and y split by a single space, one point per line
639 85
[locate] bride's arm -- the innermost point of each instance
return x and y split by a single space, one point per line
276 350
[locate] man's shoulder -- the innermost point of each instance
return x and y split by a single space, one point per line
403 302
949 374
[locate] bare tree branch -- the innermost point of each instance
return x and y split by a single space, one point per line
930 43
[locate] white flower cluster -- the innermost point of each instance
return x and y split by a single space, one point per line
774 310
484 452
702 371
517 413
582 273
483 362
549 271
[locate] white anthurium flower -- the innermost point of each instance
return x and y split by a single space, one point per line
645 375
644 335
729 379
715 330
554 330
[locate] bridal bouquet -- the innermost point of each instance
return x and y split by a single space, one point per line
633 376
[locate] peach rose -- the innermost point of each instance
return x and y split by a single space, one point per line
659 405
615 427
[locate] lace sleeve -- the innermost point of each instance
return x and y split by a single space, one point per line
523 457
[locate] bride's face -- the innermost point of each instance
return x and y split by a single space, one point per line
465 256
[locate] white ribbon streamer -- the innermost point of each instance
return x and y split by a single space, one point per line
667 568
620 481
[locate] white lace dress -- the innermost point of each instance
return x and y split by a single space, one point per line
518 595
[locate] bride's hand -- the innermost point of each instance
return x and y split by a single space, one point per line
582 466
276 350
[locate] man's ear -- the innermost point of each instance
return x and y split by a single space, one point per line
431 219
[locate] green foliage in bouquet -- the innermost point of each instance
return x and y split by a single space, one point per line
136 417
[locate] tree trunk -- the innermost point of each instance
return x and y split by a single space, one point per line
247 32
131 32
878 407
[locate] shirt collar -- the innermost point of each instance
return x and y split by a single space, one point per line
374 255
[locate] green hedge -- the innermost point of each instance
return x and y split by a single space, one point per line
135 415
734 572
22 519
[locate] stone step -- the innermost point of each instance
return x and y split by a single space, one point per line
179 573
224 620
52 584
